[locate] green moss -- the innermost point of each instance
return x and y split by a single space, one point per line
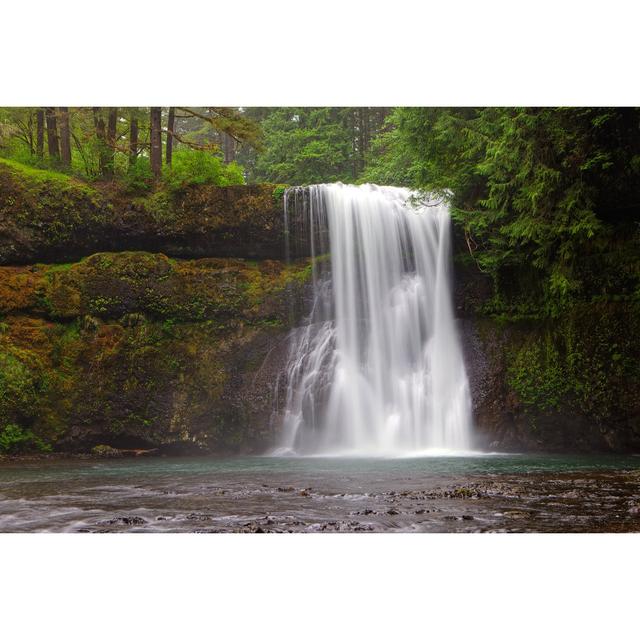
114 285
160 206
537 373
21 384
45 177
586 361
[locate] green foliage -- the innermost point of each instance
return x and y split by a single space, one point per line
20 386
586 361
307 145
537 190
45 177
278 193
304 146
537 374
139 177
14 439
198 167
101 141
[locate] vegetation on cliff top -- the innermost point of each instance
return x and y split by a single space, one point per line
547 196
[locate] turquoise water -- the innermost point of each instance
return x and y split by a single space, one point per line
442 465
446 493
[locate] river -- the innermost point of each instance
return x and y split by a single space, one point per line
499 493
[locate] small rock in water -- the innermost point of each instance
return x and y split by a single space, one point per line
393 512
518 514
126 520
198 516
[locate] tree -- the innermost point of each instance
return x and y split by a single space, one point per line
133 137
156 141
536 189
170 126
101 140
309 145
229 147
40 133
65 137
52 133
112 123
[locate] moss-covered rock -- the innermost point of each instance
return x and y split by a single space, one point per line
563 384
136 349
49 217
133 345
146 384
112 285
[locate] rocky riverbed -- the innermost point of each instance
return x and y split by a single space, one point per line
276 495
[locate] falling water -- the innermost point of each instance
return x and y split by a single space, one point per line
377 369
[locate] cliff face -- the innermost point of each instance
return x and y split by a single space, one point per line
46 217
161 322
565 383
137 346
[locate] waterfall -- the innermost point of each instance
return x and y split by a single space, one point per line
377 368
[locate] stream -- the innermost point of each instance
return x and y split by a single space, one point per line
475 493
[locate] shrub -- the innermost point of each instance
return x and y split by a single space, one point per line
198 167
14 439
139 177
278 193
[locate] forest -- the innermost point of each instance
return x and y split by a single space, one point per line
547 197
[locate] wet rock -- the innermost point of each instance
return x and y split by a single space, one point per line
105 451
198 516
392 512
518 514
123 520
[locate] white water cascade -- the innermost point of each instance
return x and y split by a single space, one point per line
378 368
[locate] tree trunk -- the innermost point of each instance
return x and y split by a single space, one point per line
52 133
40 133
133 140
156 141
65 137
101 134
170 124
229 148
110 151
